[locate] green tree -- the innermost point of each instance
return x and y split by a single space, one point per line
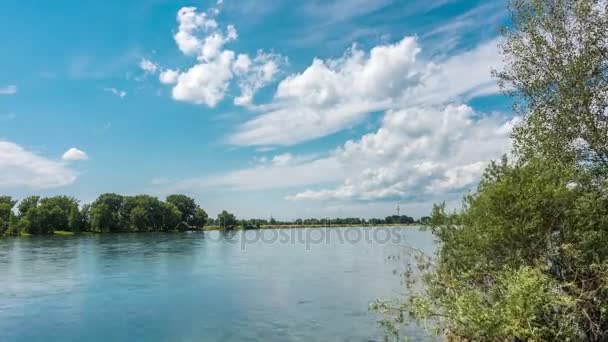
13 225
527 256
8 200
60 213
26 204
186 205
555 54
108 215
6 205
171 218
227 220
200 218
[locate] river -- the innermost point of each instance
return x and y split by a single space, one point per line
269 285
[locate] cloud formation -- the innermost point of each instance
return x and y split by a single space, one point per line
208 81
148 66
419 152
331 95
430 143
22 168
74 154
115 91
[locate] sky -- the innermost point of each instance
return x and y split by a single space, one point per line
264 108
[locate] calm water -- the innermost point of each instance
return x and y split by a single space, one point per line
198 286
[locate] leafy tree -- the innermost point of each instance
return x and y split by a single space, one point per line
107 214
60 213
5 212
425 220
34 222
186 205
527 256
171 217
8 200
6 205
555 54
26 204
200 218
227 220
13 225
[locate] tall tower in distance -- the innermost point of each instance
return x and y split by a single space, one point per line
398 209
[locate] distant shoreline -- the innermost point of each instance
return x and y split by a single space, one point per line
217 228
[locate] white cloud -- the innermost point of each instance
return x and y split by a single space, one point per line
200 35
419 152
74 154
256 74
205 83
282 159
22 168
208 81
117 92
332 95
8 90
190 24
168 76
148 66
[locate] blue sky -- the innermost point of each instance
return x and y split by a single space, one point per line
291 109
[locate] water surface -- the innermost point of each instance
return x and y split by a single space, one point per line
199 286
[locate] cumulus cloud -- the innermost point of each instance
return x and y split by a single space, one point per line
148 66
429 143
208 81
74 154
331 95
8 90
168 76
117 92
205 83
22 168
418 152
191 23
256 74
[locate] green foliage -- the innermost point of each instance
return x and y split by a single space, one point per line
108 214
527 256
6 205
227 220
555 54
503 273
26 204
200 218
185 205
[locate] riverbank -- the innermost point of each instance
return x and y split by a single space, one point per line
303 226
218 228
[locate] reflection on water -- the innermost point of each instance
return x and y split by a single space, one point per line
199 286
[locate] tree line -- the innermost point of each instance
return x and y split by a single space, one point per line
109 213
113 213
331 221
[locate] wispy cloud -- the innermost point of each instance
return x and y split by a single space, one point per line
22 168
117 92
8 90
